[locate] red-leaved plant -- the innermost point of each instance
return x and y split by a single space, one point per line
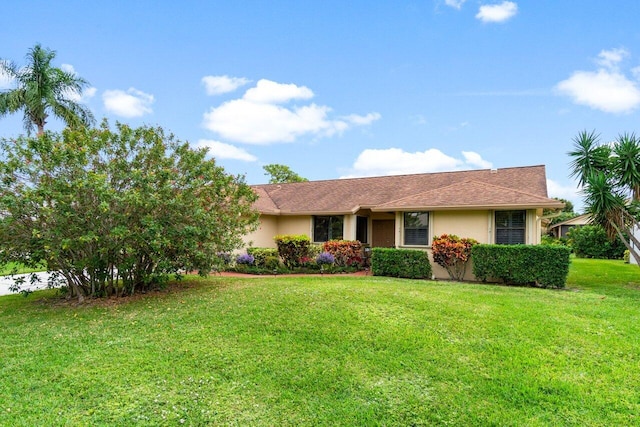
452 253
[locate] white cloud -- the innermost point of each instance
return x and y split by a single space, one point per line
84 97
269 92
457 4
362 120
474 159
221 150
611 58
259 118
395 161
606 89
497 12
571 193
217 85
6 82
132 103
68 68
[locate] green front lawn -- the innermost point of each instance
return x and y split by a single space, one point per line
330 350
13 267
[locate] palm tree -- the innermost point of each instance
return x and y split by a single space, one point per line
42 90
608 174
627 163
588 156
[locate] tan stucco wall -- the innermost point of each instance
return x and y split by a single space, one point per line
295 225
271 226
263 236
471 224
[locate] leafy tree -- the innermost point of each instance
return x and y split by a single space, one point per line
564 214
117 211
43 90
281 174
610 176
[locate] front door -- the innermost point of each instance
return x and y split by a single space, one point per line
383 233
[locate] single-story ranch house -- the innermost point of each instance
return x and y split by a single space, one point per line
501 206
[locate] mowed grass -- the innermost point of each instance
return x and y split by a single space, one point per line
330 351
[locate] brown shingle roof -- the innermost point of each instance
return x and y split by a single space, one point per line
509 187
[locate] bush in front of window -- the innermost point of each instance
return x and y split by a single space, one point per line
293 248
405 263
347 253
452 253
539 265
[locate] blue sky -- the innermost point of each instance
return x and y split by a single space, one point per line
358 88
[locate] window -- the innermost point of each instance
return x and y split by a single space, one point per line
327 228
416 228
510 227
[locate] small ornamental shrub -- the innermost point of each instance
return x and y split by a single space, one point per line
452 253
627 256
325 258
406 263
315 249
261 254
271 263
292 248
245 259
347 253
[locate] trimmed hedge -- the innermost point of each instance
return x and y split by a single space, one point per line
542 265
405 263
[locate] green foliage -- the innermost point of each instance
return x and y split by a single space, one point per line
590 241
347 253
282 174
43 90
405 263
117 211
293 248
452 253
627 256
541 265
550 240
260 255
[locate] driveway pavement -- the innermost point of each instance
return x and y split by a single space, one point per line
7 281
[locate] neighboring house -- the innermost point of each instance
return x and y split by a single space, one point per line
560 229
406 211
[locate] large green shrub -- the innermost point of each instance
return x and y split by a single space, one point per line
406 263
542 265
590 241
293 248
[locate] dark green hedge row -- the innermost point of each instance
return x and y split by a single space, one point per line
406 263
541 265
